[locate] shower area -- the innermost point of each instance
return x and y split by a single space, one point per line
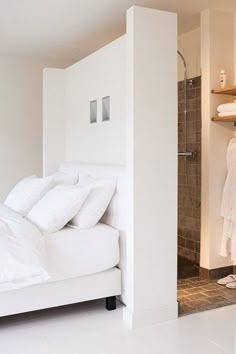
197 287
189 172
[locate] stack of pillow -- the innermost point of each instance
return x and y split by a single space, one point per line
52 202
227 109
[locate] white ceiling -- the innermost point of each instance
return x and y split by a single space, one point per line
71 29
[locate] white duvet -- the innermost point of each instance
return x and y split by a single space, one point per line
22 252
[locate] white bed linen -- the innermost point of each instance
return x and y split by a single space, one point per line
22 254
74 253
6 212
27 193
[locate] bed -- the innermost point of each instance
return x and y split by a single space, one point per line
84 264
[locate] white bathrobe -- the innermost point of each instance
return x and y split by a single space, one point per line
228 206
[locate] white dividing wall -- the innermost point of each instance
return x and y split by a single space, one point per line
68 134
139 73
189 46
53 119
152 165
20 119
101 74
217 52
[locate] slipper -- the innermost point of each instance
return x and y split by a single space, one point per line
227 280
231 285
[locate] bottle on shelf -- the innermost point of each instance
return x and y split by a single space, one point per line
222 78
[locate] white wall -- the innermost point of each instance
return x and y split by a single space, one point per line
217 52
53 119
189 46
20 118
152 165
101 74
68 134
20 125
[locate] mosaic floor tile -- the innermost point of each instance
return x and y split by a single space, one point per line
196 295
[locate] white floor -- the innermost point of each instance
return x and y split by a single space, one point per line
90 329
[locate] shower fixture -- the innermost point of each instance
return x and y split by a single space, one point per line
190 82
188 155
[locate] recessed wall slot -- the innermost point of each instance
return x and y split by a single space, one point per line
106 108
93 111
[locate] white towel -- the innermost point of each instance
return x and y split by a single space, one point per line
227 114
227 107
228 205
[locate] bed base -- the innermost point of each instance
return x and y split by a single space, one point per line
104 285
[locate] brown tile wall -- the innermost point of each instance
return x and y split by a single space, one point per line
190 182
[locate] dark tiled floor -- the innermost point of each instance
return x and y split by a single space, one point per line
196 294
187 268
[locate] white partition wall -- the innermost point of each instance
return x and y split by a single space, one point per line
152 165
101 74
68 133
139 74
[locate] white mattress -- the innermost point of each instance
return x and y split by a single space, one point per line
75 253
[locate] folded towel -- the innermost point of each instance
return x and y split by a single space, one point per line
227 107
227 114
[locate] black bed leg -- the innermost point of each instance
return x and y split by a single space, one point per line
111 303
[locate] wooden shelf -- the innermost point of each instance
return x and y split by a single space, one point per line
231 90
224 119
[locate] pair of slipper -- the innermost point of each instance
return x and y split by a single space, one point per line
229 281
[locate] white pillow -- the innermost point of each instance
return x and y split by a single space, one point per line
61 177
58 207
97 202
22 254
67 175
28 192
